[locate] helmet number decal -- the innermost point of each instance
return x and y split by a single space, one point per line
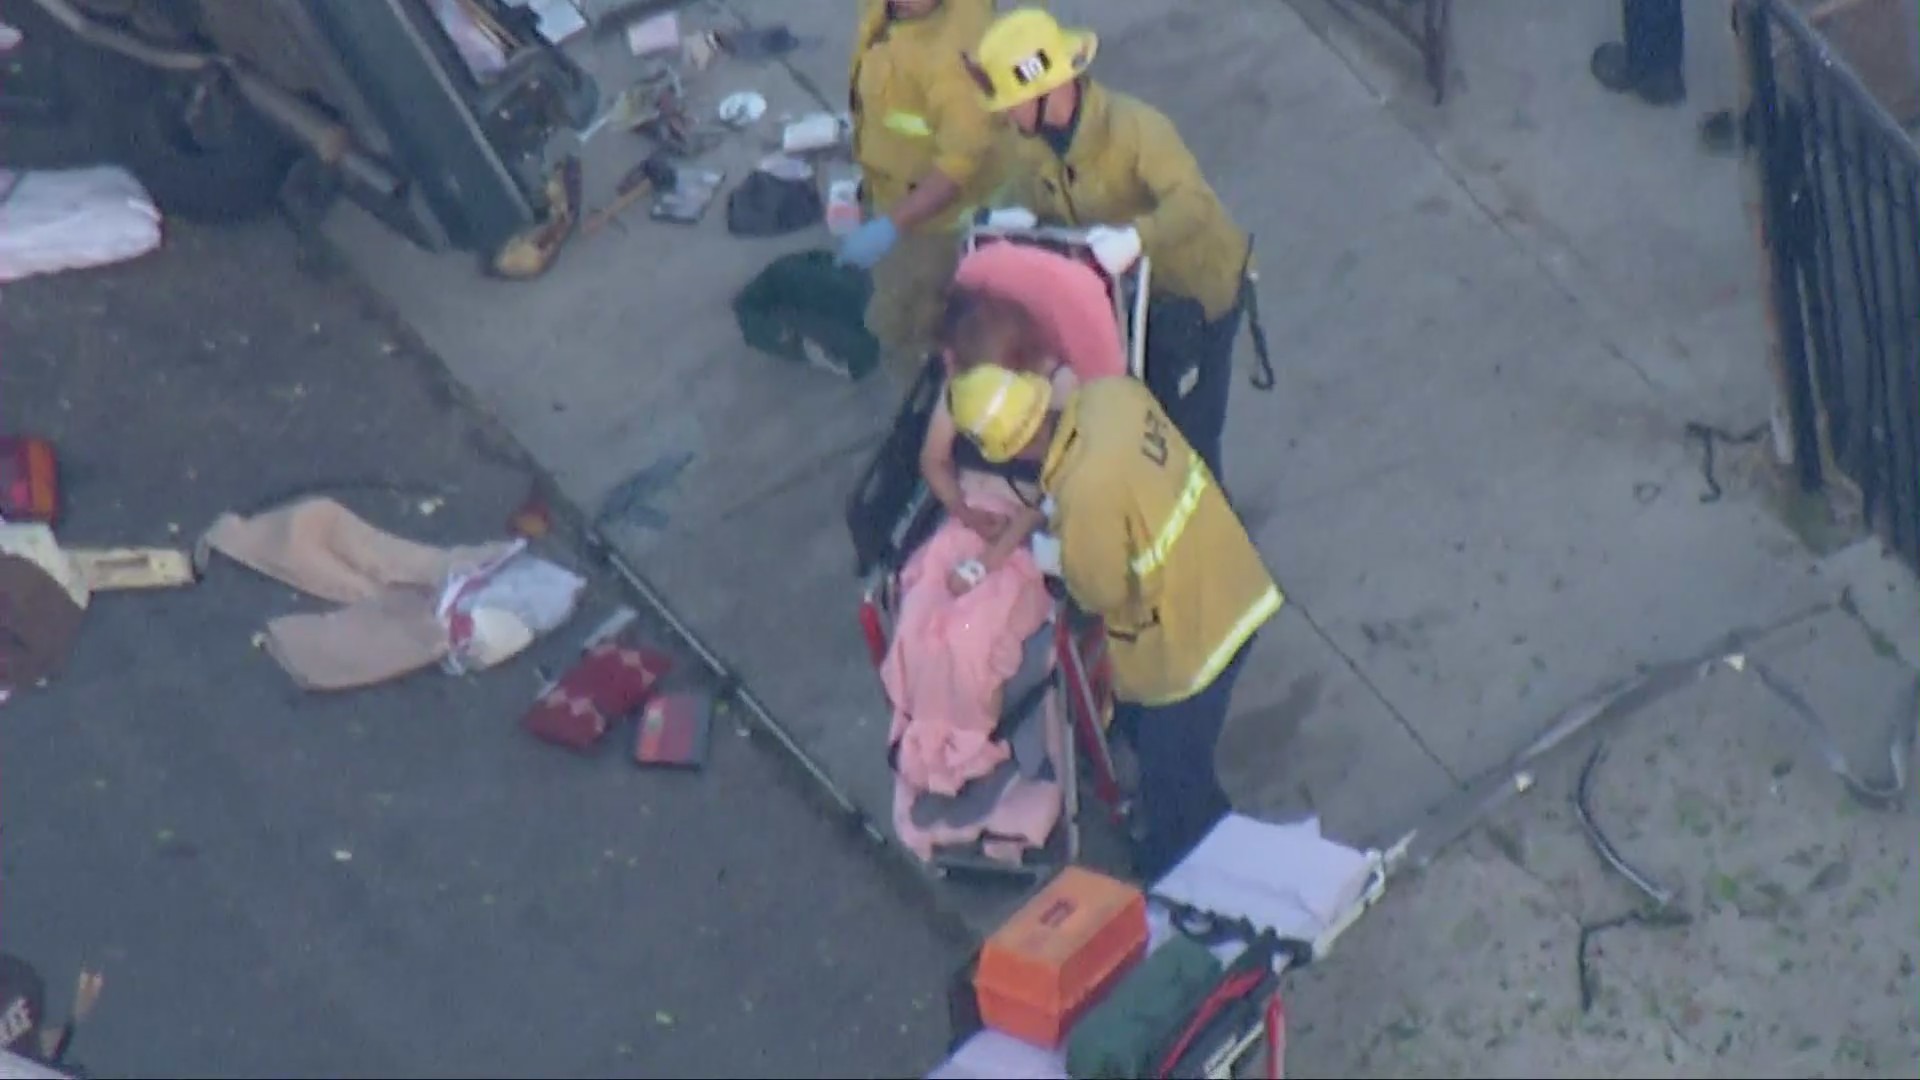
1026 71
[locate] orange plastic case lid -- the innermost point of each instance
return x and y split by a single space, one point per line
1066 940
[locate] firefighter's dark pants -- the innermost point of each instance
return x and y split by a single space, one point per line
1180 794
1190 369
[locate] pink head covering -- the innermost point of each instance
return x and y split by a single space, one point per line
1066 299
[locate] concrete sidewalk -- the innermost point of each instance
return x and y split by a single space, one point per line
1790 950
1492 322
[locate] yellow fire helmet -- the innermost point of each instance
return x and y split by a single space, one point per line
1026 54
1000 410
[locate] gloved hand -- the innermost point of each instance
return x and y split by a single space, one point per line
865 246
1116 250
1009 217
1046 552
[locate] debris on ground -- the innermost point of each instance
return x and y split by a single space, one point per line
687 201
757 42
742 108
532 254
653 175
658 34
809 308
405 606
631 501
44 600
813 132
658 106
29 480
556 21
533 519
675 731
611 681
73 219
116 569
778 197
45 590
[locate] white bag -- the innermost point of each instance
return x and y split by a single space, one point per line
492 612
71 219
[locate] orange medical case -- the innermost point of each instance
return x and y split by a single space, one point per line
1059 955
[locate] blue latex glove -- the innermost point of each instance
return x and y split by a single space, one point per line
865 246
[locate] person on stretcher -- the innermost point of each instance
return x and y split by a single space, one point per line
972 596
1027 309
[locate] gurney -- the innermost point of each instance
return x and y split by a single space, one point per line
1060 699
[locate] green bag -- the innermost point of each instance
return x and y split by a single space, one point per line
810 309
1121 1038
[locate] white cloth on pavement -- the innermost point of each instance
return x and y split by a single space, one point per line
70 219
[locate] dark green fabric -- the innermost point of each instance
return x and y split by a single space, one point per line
1123 1036
808 308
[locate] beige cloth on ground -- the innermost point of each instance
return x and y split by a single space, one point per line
390 587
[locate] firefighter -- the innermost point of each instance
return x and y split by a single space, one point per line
925 147
1146 541
1650 57
1100 160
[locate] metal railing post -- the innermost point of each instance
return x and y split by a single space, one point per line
1769 201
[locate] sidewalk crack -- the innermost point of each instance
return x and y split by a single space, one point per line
1374 689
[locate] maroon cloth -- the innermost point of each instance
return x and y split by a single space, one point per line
609 683
38 623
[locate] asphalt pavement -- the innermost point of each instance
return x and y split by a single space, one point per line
394 881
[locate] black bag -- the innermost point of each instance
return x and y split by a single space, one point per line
769 205
810 309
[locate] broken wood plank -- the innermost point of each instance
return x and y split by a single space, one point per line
114 569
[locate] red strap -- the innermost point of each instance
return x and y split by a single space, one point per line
1223 995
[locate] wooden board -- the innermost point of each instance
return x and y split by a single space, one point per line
111 569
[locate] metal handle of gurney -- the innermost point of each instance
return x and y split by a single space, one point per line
1137 346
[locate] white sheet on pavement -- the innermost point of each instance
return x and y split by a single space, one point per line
69 219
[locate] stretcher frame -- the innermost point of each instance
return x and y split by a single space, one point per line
1078 690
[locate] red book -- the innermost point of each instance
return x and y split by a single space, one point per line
674 731
29 480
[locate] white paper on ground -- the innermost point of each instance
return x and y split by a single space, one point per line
70 219
661 33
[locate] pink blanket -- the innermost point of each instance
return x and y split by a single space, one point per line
1067 298
951 655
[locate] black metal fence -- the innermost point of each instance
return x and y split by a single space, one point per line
1840 203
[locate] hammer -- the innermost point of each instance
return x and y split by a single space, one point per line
656 173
